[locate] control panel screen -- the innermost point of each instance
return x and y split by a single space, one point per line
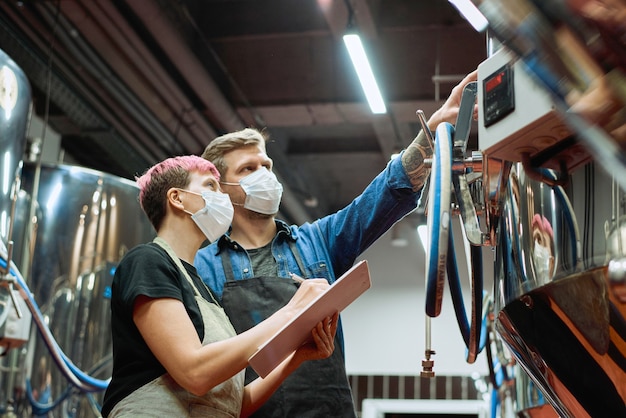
498 97
494 82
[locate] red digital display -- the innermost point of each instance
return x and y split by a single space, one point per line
494 82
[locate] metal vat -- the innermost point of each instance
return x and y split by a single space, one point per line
83 222
556 310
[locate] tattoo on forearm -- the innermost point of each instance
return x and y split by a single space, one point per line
413 163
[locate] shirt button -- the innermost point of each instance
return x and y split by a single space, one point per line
245 270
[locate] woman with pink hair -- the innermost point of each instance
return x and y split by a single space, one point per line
175 352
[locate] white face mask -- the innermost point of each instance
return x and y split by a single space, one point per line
543 259
215 217
263 191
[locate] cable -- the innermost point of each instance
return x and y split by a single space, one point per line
474 333
76 376
43 408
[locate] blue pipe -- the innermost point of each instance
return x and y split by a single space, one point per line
96 384
434 286
456 294
40 408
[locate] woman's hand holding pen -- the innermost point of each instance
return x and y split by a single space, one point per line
322 342
307 291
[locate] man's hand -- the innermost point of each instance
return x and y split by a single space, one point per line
419 150
449 111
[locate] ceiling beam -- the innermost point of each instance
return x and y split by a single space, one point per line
306 114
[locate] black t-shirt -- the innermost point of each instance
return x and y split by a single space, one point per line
145 270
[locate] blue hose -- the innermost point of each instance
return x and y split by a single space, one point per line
434 280
40 408
456 294
97 384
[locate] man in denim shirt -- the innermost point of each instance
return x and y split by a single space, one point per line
250 267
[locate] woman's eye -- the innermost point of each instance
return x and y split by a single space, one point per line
212 185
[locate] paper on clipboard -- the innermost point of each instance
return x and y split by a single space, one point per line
339 295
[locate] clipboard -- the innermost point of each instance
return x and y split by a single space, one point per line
285 341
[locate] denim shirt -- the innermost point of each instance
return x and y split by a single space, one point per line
328 246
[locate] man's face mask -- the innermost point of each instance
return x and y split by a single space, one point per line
263 191
215 217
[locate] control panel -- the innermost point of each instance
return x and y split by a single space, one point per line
517 116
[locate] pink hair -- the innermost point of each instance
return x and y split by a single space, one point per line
188 163
540 222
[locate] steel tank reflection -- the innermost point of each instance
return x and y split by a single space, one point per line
84 222
15 107
556 311
15 103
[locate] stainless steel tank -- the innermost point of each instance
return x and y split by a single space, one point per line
83 222
556 309
15 103
15 107
560 273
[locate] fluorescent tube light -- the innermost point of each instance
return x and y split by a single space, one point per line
422 233
364 72
471 13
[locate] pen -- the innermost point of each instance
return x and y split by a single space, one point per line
296 278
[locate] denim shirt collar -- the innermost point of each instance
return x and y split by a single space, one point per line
283 232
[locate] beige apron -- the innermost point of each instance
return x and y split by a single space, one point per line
163 397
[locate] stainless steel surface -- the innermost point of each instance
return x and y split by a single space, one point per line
15 104
530 402
559 273
427 132
543 411
463 123
85 222
577 51
556 311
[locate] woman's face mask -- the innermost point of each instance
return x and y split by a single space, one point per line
263 191
215 217
543 261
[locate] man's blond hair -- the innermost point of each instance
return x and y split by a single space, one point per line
221 145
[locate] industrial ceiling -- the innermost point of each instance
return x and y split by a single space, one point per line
126 83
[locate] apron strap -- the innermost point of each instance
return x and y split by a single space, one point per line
298 257
227 266
161 242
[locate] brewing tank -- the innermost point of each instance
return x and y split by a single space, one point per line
81 225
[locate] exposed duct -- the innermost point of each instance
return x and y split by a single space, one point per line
175 47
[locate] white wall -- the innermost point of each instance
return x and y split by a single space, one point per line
384 328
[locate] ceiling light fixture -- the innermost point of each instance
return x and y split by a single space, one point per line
471 13
361 64
422 233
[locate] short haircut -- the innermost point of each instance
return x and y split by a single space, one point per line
221 145
158 179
